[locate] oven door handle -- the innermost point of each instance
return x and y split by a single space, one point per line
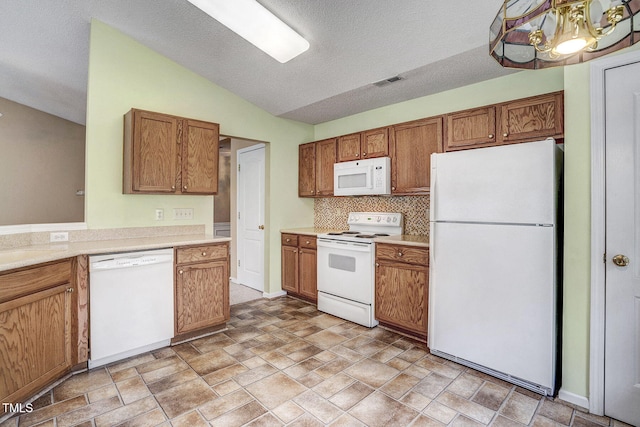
348 246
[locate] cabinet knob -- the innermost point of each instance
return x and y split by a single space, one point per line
287 240
491 136
173 187
400 254
312 192
364 154
357 154
204 254
377 264
184 188
393 188
261 227
69 290
505 134
180 271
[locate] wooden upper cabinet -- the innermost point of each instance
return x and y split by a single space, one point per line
165 154
315 168
325 159
200 145
349 147
307 170
411 146
364 145
531 119
375 143
469 128
150 152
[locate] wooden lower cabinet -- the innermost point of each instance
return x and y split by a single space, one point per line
402 288
299 266
201 287
36 328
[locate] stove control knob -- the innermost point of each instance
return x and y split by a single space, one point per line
388 219
395 219
378 219
356 218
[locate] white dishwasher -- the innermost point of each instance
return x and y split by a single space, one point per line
130 304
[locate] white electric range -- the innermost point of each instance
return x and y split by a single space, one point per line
346 265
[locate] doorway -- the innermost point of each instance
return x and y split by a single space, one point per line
615 299
251 220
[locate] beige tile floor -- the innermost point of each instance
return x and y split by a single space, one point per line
282 362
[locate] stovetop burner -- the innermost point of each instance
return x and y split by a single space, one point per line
364 227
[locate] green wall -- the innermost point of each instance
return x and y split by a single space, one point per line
574 80
124 74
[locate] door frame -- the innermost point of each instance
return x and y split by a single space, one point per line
598 226
240 151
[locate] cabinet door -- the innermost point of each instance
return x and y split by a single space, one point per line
325 159
308 280
200 141
411 147
349 147
402 295
35 341
202 295
471 129
155 152
531 119
290 268
375 143
307 170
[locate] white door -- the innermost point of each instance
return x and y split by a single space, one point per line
251 176
622 294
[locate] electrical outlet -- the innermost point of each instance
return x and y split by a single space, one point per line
183 213
159 214
59 236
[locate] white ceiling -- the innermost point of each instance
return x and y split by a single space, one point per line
433 45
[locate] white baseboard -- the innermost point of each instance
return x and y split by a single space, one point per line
234 280
574 399
274 294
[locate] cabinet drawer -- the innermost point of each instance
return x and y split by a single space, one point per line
407 254
201 253
290 239
34 279
307 242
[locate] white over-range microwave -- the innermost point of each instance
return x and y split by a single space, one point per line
362 177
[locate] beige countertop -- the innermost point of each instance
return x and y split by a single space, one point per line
25 256
405 239
308 231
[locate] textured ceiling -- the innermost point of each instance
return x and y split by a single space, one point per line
44 51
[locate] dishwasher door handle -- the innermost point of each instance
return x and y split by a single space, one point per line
131 261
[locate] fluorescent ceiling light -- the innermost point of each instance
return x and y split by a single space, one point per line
250 20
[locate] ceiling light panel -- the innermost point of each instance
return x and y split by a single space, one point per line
250 20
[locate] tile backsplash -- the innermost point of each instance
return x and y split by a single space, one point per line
332 212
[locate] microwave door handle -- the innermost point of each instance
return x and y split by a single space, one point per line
369 175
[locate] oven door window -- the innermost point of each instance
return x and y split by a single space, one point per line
342 262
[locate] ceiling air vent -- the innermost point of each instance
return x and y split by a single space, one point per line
388 81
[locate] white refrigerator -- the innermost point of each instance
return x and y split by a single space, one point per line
494 284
